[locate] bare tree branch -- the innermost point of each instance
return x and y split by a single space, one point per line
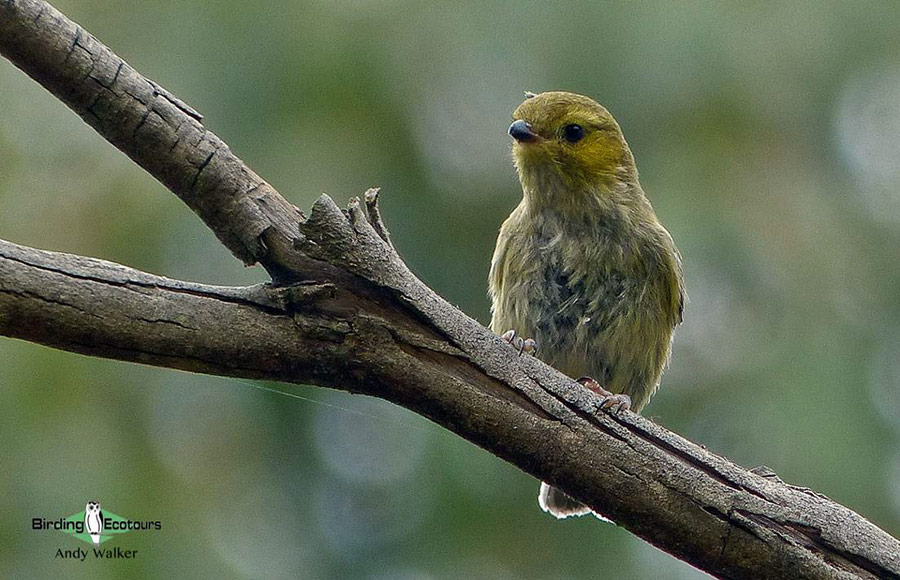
156 129
347 313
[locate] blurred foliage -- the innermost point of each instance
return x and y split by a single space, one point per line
768 136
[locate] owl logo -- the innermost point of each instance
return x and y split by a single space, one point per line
93 521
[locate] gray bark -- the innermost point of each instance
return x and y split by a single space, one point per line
345 312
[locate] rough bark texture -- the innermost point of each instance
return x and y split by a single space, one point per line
345 312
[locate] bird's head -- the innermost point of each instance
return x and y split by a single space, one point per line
570 142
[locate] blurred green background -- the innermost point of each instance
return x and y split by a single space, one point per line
768 139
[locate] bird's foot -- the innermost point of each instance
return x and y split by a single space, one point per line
614 402
523 345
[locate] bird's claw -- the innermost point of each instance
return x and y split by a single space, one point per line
526 345
613 402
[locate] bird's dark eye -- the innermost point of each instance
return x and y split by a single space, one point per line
573 133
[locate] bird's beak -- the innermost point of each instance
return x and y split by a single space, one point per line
521 131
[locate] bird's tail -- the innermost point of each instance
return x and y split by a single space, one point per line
96 539
560 505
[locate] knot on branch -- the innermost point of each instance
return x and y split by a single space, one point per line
296 296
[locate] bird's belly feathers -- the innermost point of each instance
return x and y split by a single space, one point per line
603 324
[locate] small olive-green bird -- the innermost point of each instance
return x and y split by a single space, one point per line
583 267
